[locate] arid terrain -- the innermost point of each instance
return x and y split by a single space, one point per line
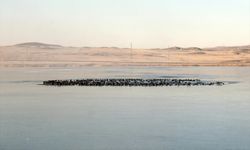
47 55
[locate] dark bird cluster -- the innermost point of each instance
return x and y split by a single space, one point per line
131 82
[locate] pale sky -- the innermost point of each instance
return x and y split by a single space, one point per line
146 23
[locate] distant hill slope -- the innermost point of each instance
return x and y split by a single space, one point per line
34 54
38 45
49 46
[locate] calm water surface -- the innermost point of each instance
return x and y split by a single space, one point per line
36 117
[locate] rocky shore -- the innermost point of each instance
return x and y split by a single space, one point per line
132 82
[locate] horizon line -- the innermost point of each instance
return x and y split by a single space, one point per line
181 47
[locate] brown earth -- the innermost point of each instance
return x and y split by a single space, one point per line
46 55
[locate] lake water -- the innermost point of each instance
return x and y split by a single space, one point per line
37 117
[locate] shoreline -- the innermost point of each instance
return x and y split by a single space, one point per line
62 64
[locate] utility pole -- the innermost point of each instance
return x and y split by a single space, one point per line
168 55
131 52
26 57
2 57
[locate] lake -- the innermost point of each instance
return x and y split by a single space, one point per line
37 117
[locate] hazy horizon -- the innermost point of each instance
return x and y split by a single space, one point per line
145 23
56 44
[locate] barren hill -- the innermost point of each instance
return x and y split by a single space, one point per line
35 54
